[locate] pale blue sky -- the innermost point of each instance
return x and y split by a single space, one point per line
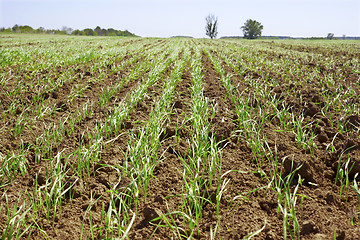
165 18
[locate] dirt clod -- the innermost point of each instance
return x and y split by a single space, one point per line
308 227
352 122
178 104
151 213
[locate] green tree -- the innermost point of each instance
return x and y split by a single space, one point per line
252 29
5 30
111 33
41 30
89 32
26 29
15 28
211 26
77 32
99 31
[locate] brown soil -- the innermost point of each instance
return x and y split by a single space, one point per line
316 216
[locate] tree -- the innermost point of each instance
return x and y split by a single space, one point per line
252 29
41 30
330 36
99 31
15 28
89 32
211 26
66 30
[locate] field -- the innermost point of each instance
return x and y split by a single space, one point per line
137 138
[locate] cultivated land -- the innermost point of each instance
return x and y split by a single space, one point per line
132 138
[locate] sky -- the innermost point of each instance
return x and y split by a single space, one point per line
166 18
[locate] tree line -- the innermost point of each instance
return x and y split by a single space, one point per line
69 31
251 29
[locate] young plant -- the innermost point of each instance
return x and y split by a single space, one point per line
287 196
355 187
16 225
342 174
51 194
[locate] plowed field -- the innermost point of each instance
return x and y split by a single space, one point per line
131 138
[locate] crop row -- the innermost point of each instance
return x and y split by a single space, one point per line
106 138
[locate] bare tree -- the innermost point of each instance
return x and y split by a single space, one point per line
66 30
330 36
211 26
